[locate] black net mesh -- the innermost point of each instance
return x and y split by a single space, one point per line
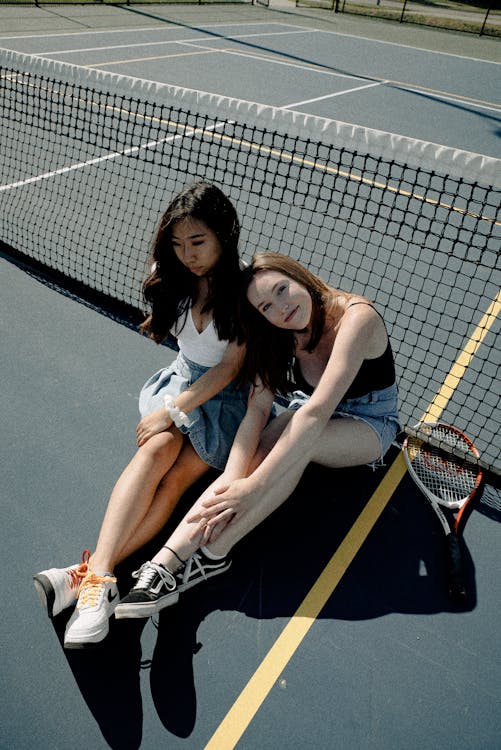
87 172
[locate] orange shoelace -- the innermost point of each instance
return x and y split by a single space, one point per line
78 574
91 587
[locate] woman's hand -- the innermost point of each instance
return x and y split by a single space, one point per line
153 423
226 504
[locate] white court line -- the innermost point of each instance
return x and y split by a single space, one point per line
166 41
173 26
411 47
331 96
440 96
106 157
252 23
317 68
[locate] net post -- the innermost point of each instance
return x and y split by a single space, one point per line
484 24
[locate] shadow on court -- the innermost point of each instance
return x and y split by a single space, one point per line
400 568
387 630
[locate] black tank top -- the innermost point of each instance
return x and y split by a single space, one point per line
373 375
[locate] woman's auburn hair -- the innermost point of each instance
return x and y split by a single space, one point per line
171 289
269 349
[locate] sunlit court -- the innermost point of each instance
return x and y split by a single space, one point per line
371 155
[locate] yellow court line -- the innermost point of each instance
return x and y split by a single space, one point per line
252 696
458 368
264 678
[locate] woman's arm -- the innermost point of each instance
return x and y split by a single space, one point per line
361 335
214 380
243 450
202 390
249 433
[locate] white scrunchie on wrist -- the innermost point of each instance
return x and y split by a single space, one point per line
179 418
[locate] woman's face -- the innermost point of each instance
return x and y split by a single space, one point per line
195 245
284 302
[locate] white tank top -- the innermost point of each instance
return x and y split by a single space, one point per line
204 348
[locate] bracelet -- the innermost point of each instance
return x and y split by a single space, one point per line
179 418
183 562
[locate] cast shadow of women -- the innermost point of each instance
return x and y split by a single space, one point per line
109 674
399 568
108 677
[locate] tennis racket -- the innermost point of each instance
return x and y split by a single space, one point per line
443 463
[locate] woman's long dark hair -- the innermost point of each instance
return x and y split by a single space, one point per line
171 289
270 350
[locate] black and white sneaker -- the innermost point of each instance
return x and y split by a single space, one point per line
155 589
199 567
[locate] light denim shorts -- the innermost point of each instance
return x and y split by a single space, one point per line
379 409
213 425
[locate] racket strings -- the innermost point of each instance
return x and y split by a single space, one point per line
450 439
450 480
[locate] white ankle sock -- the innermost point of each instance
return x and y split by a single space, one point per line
103 573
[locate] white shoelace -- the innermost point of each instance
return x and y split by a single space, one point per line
147 573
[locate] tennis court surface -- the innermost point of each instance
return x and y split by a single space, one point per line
356 645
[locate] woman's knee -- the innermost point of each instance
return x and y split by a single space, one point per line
162 447
184 471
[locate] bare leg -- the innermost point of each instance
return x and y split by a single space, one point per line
184 540
345 442
187 537
133 495
187 469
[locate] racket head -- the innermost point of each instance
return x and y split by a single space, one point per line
444 463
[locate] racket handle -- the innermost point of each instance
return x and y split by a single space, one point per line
457 587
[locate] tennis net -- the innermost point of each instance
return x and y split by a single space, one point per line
89 161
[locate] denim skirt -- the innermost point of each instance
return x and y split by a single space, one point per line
379 409
213 425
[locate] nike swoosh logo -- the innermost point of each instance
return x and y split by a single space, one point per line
111 598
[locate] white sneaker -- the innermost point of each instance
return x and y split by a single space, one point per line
57 588
89 622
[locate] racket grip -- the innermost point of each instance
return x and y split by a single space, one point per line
457 587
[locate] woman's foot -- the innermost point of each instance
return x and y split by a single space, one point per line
157 587
57 588
89 623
